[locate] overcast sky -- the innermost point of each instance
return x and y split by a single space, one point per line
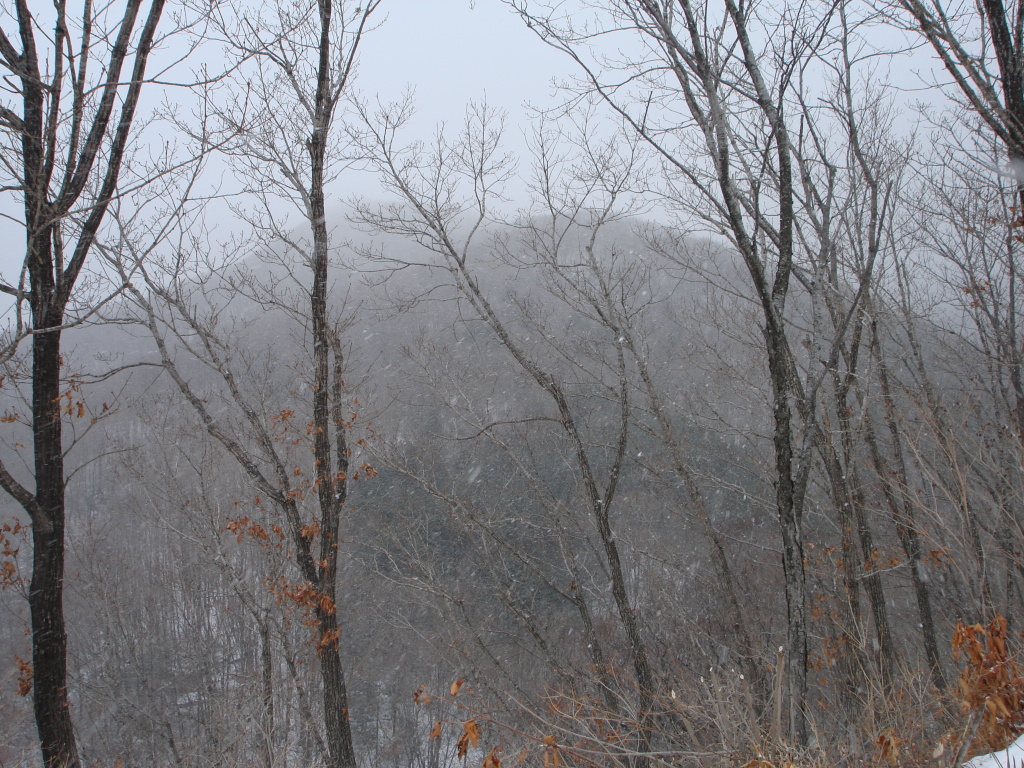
453 51
450 52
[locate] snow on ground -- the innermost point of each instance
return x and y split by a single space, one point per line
1011 757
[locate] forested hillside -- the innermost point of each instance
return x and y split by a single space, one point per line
686 431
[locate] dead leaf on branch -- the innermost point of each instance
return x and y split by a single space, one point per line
24 676
470 736
551 757
420 696
991 683
889 746
456 686
328 640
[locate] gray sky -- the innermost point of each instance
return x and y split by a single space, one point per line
450 52
453 51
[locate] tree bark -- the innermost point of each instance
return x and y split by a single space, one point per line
46 590
331 488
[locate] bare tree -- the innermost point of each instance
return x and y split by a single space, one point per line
276 121
445 201
981 47
751 181
68 121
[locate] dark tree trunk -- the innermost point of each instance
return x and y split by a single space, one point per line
789 506
46 591
267 675
331 487
79 123
336 716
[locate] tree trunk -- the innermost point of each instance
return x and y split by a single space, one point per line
46 591
267 674
336 717
330 489
789 505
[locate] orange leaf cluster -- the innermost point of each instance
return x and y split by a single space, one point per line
551 757
877 561
24 676
833 648
420 696
310 530
606 731
991 683
303 595
72 407
492 760
822 607
329 639
9 566
244 526
282 417
282 422
889 746
937 558
470 735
